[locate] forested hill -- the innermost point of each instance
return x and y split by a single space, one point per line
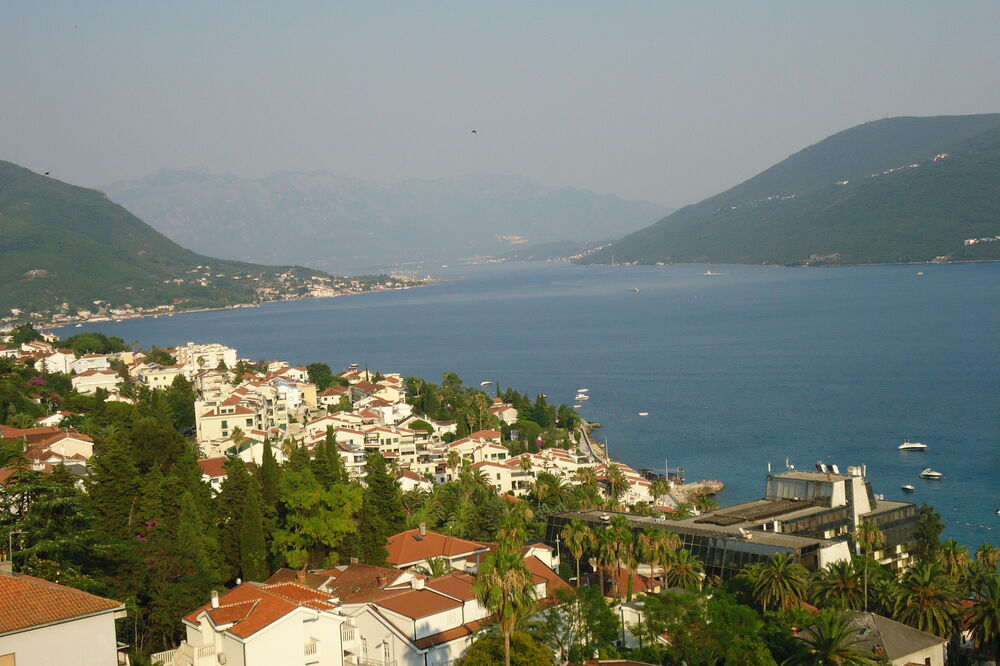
894 190
65 244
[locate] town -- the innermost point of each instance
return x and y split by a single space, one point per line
186 506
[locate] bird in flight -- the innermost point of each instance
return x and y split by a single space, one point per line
475 132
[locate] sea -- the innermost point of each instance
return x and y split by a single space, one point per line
738 368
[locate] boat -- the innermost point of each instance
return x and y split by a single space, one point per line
79 325
928 473
485 383
710 273
643 413
583 390
581 396
577 406
907 445
636 290
920 272
908 488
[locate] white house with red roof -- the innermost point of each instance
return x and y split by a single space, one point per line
43 624
213 471
256 624
92 380
414 547
91 362
60 360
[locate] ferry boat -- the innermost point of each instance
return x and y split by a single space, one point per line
908 488
907 445
928 473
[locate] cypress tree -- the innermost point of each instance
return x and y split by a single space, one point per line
253 550
270 477
381 513
114 489
232 502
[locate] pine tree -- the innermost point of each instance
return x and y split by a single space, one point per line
253 549
328 464
114 489
232 503
381 511
270 478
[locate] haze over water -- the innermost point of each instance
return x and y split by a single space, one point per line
735 370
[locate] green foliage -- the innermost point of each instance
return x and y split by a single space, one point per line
24 333
317 519
420 424
796 212
489 651
928 537
253 549
381 511
94 343
321 375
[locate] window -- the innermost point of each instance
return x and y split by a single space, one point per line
225 424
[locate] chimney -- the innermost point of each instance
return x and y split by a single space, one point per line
354 560
423 529
215 598
6 567
927 661
418 583
300 576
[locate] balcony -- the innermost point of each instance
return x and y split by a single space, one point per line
187 655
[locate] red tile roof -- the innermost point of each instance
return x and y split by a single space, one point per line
409 546
458 585
416 604
448 635
26 601
213 467
268 604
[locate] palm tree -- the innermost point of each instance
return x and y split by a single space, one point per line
578 537
954 558
434 567
621 545
454 461
832 642
984 618
618 485
550 489
656 546
659 488
870 538
837 586
989 555
705 503
779 581
506 589
926 598
685 570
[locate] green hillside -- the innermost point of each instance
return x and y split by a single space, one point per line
65 244
875 193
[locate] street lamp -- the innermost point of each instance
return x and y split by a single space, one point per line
10 545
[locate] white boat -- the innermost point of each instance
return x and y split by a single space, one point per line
636 290
581 396
79 325
577 406
643 413
928 473
710 273
907 445
908 488
583 390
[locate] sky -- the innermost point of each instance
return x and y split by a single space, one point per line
660 101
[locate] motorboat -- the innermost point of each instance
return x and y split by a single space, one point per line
581 396
710 273
583 390
908 488
928 473
907 445
643 413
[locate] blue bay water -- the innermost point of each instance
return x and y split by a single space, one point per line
751 365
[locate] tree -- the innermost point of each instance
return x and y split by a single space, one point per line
381 511
779 581
837 586
491 648
989 555
618 485
253 549
984 618
320 375
684 570
578 537
434 567
232 503
928 534
317 518
161 356
656 546
870 538
659 488
926 598
955 559
506 589
832 641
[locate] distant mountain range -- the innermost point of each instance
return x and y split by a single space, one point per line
343 224
62 244
895 190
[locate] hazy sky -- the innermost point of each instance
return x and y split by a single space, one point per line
661 101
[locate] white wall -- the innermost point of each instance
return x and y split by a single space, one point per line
84 642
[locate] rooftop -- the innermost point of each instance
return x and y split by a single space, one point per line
26 602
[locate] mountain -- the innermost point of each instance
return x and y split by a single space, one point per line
344 224
65 244
894 190
551 250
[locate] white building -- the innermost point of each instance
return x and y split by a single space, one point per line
92 380
43 623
